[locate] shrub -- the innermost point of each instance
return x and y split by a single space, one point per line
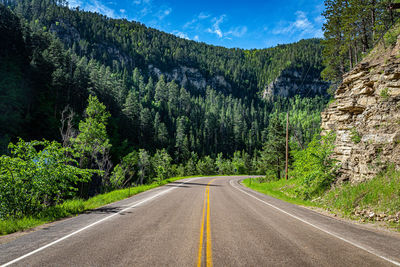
315 167
355 136
385 94
32 179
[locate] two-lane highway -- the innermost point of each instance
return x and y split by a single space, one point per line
203 222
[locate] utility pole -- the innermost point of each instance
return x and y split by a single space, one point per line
287 144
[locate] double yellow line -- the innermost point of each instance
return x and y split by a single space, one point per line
206 206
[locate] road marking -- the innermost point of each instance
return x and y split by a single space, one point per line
201 232
206 206
319 228
209 248
95 223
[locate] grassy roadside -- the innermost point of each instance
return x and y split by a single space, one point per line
281 189
376 200
76 206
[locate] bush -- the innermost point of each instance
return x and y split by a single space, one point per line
32 179
206 166
315 167
355 136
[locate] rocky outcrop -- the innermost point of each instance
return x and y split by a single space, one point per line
291 82
192 78
366 116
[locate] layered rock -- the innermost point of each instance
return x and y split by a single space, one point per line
192 77
291 82
366 116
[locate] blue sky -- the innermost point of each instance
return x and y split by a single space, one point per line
236 23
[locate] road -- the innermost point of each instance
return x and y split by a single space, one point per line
203 222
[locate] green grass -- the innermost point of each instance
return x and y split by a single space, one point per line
281 189
380 195
76 206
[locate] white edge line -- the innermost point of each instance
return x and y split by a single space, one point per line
92 224
319 228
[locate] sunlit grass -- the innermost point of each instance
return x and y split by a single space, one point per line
380 195
281 189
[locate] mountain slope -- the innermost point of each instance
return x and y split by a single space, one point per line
124 45
162 91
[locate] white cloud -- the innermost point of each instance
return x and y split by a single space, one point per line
302 25
320 19
162 13
216 26
181 34
203 15
97 6
196 38
319 34
74 3
198 18
122 10
237 31
139 2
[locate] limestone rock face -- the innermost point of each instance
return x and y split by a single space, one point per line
191 77
291 82
366 116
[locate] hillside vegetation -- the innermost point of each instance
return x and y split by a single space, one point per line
354 171
111 97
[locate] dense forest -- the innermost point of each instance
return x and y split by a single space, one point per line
83 80
352 29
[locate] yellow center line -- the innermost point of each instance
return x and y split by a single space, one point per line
209 251
206 205
201 232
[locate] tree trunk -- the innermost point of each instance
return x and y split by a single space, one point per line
373 18
351 57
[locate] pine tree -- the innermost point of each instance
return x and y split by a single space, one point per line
273 155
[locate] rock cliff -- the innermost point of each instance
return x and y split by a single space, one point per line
291 82
366 116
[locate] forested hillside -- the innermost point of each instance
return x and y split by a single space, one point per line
127 105
351 30
65 55
124 45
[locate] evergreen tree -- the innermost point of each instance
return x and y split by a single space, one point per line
273 155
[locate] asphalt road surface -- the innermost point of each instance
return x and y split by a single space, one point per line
203 222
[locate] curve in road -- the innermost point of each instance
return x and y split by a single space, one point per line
203 222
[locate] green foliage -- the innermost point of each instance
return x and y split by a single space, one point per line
144 165
224 166
282 189
124 173
43 71
391 36
351 29
274 151
314 166
73 207
355 136
385 94
92 141
33 179
381 194
206 166
147 111
161 163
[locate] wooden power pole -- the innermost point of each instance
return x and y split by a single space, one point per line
287 145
